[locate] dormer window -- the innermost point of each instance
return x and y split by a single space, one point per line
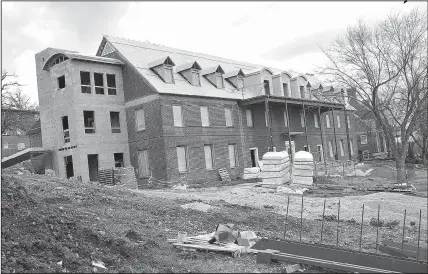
215 76
196 81
236 78
240 82
164 69
219 78
190 72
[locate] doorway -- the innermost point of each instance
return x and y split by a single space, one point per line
69 166
254 154
93 167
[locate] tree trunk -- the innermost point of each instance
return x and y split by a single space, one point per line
400 165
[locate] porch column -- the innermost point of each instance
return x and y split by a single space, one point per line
288 127
347 134
267 117
322 138
306 131
334 132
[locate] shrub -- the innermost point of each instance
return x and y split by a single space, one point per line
412 223
392 224
374 222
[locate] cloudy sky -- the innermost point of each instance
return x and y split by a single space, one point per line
285 35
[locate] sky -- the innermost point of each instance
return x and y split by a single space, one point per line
283 35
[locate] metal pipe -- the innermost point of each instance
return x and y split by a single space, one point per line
402 239
289 134
361 231
322 139
377 229
286 217
306 131
301 220
338 220
419 232
322 223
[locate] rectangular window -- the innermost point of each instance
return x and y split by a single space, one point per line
65 129
228 117
140 120
178 116
285 88
169 78
143 164
266 86
99 83
285 119
208 150
249 115
327 120
302 92
219 79
338 121
182 158
115 122
205 118
232 156
85 81
20 146
351 144
111 84
330 148
302 119
316 120
118 160
61 82
240 82
89 120
349 121
342 152
195 78
363 138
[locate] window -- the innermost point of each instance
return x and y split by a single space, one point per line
338 121
232 158
302 119
20 146
115 122
302 92
219 79
316 120
266 86
178 116
61 82
228 117
111 84
205 116
169 78
208 150
249 116
363 139
99 83
285 119
182 158
351 145
342 152
349 121
143 164
285 88
66 129
196 81
89 120
85 81
240 82
118 160
327 120
140 121
330 148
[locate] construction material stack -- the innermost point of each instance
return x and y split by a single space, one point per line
276 168
303 168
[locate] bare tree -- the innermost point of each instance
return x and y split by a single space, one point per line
387 65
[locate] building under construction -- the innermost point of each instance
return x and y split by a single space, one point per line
174 114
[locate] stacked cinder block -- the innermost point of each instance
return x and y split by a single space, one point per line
275 169
303 168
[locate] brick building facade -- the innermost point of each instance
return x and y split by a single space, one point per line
182 115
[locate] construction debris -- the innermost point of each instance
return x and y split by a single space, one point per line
293 268
198 206
290 190
180 187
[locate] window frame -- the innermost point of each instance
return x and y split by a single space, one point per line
136 120
168 68
59 81
99 87
66 132
342 148
249 113
208 116
285 89
198 76
234 153
330 148
338 120
218 76
89 128
110 89
115 129
181 114
231 116
302 91
302 118
123 159
212 157
316 122
239 79
145 154
327 120
186 159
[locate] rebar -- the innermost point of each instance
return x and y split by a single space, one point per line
286 217
402 239
322 223
377 229
338 219
301 220
419 232
361 231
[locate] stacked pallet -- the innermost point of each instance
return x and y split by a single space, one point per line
303 168
275 169
106 176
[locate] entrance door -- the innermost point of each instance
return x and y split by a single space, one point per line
69 166
93 167
254 154
292 150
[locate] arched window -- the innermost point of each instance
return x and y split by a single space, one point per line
54 60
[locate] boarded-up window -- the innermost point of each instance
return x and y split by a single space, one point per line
219 79
342 152
285 88
302 119
99 83
338 121
327 120
205 118
168 75
143 164
178 117
196 81
330 148
302 92
232 156
208 150
249 116
240 82
115 123
228 117
61 82
316 119
140 120
285 119
89 121
85 81
111 84
182 158
267 87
